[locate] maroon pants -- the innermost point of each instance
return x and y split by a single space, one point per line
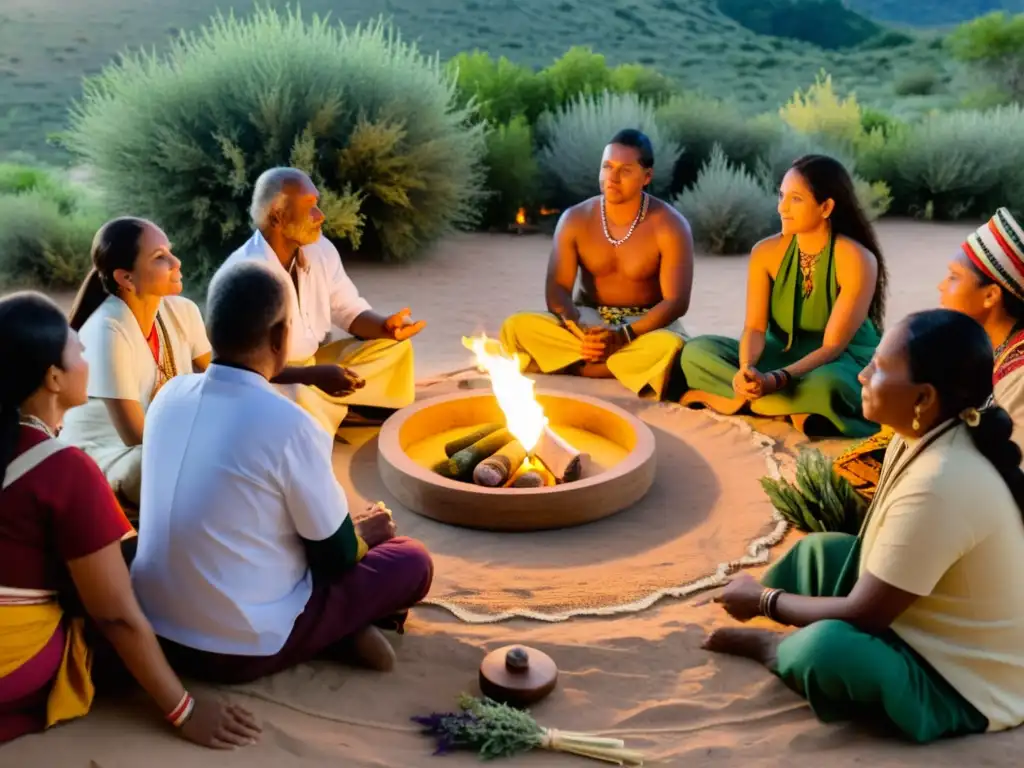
389 580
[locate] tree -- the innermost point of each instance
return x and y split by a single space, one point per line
994 44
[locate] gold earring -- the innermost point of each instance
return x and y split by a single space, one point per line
916 423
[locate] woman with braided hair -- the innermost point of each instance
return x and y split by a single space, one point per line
920 618
985 281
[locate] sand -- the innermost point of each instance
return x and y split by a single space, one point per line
640 676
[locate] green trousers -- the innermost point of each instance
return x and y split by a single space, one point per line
845 673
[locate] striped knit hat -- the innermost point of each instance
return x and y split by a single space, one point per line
997 249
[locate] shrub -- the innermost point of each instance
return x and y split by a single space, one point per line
574 137
648 84
512 172
578 71
954 164
182 138
43 241
821 112
994 44
16 179
699 124
501 89
729 208
920 82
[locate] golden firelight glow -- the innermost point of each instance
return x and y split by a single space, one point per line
521 216
548 211
524 416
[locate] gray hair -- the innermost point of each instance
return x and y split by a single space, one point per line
269 191
244 302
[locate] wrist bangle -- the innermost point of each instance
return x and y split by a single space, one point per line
180 713
628 331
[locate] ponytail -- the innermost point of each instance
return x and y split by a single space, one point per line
90 296
991 431
115 246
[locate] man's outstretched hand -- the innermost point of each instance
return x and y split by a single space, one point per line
400 327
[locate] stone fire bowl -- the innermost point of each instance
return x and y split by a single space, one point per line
618 467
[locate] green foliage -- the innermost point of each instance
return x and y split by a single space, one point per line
877 121
647 83
46 228
729 208
826 23
579 71
820 501
182 138
953 165
995 44
919 82
502 90
699 124
574 137
512 172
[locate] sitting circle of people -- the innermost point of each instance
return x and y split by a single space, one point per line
170 507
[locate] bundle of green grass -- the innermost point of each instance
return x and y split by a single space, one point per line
820 501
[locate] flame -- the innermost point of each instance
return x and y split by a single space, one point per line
521 216
524 416
548 211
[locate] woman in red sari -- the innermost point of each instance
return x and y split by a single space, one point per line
60 551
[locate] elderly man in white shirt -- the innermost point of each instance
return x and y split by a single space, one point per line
248 561
374 367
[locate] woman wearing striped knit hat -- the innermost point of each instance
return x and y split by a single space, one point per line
986 282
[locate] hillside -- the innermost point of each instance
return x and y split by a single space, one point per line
46 46
931 13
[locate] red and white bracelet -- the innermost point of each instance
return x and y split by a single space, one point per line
180 713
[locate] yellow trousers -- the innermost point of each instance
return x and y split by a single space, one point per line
385 365
541 340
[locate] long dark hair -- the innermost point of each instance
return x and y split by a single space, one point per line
1013 306
829 180
115 246
952 352
33 334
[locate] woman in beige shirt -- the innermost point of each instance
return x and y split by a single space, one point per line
920 618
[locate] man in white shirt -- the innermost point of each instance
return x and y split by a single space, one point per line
374 367
249 562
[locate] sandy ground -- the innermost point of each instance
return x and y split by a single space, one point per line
642 677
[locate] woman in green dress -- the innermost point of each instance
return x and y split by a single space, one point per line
918 620
815 301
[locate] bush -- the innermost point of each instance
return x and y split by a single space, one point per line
729 208
182 138
648 84
502 90
579 71
43 241
17 178
952 165
512 172
994 44
920 82
574 137
821 112
699 124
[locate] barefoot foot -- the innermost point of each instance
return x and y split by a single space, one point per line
372 650
760 645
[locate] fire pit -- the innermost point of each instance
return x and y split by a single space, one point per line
513 459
